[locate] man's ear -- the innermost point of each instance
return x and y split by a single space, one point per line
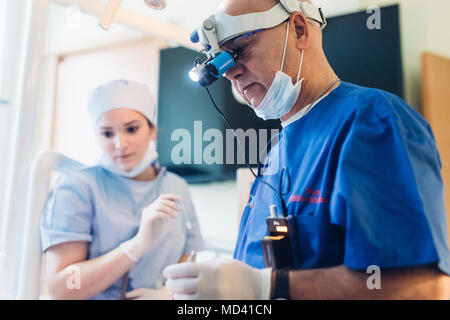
298 20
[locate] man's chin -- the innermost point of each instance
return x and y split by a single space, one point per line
253 95
254 103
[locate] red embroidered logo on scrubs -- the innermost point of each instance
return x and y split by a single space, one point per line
312 196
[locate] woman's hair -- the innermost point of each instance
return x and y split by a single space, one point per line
150 125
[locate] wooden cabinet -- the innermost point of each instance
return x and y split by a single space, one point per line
436 109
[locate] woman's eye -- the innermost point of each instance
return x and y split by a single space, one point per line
133 129
107 134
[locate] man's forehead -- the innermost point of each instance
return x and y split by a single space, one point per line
240 41
239 7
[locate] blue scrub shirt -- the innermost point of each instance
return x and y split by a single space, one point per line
362 177
104 209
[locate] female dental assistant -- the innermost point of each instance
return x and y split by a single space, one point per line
125 216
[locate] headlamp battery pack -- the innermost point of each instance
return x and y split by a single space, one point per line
279 245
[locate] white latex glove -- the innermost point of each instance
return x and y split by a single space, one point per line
149 294
220 279
152 222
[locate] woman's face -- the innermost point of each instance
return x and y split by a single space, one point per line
124 135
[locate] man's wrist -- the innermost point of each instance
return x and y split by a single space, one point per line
280 284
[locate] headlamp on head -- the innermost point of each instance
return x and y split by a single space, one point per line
221 27
212 69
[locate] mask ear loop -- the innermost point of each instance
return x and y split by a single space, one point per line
284 54
300 67
285 46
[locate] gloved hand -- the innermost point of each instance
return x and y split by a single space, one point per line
149 294
220 279
152 222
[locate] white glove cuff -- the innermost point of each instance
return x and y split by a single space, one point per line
133 250
266 283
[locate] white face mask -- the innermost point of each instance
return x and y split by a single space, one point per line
150 156
282 94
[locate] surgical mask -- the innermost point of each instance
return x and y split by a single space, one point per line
150 156
282 94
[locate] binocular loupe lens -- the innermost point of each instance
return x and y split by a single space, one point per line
209 72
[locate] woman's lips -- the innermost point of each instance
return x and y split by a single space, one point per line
125 156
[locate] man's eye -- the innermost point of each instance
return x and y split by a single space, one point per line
133 129
240 50
107 134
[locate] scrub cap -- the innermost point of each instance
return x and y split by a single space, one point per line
120 94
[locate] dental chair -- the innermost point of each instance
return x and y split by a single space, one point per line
45 165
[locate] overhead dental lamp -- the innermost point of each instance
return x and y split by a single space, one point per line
156 4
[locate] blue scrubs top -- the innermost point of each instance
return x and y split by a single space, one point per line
362 177
104 209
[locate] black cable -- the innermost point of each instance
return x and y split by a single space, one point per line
283 204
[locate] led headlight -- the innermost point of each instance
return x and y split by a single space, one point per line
212 69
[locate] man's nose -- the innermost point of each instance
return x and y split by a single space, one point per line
234 72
